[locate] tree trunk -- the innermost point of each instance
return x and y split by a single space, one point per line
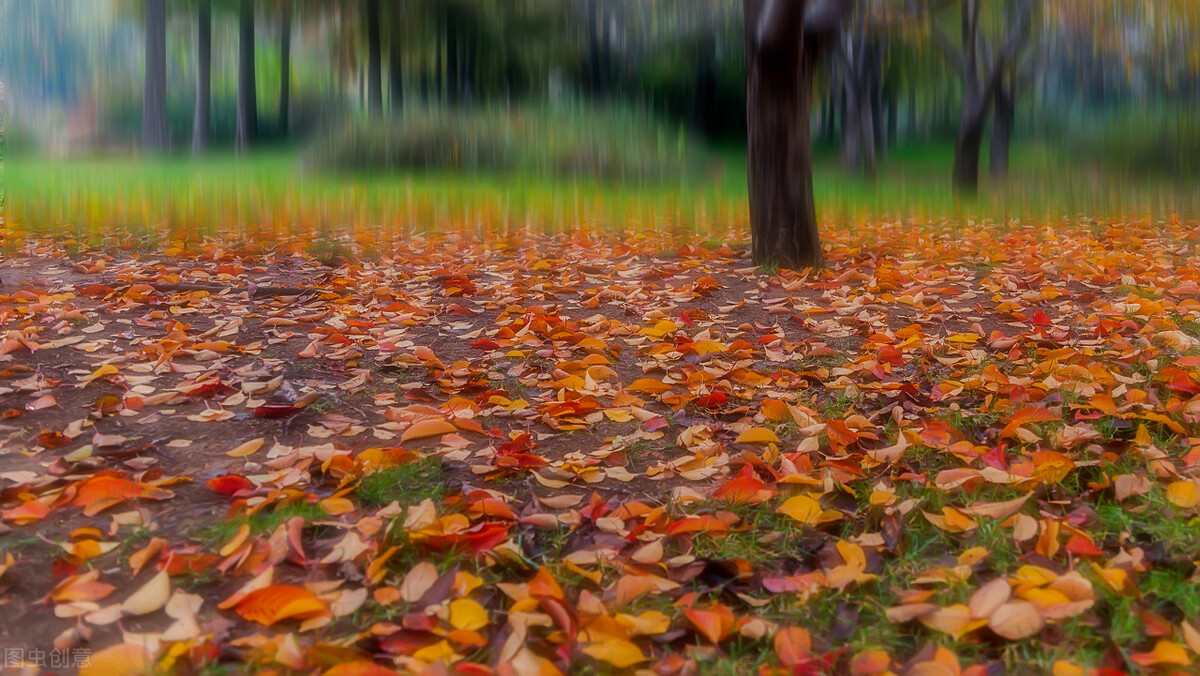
1002 121
395 70
893 114
966 150
202 118
247 89
859 151
783 222
594 48
155 134
285 69
453 73
374 59
875 91
439 67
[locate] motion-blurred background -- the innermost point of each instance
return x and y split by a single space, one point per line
412 114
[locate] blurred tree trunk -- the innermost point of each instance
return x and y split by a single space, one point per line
779 68
594 56
201 120
155 132
860 129
285 68
374 59
453 72
1002 121
395 69
982 69
878 121
247 89
439 68
893 114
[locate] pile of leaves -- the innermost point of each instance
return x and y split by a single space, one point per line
951 451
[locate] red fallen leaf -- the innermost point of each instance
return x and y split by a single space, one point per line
1027 414
11 413
519 461
793 646
97 291
230 484
1081 546
476 539
50 439
273 604
713 624
714 400
483 504
1040 319
27 512
210 390
937 434
744 489
839 434
544 584
275 411
101 492
890 355
1179 380
485 344
177 563
698 524
407 642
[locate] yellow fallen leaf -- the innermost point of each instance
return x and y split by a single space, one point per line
1182 494
618 652
123 658
802 508
427 428
150 597
468 614
757 435
246 449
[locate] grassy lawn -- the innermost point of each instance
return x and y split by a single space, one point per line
274 196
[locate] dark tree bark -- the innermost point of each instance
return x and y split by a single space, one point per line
285 69
1002 121
878 121
594 56
439 63
201 120
981 73
453 72
395 69
247 89
155 134
861 123
374 59
893 114
779 68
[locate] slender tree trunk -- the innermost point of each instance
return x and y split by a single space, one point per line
247 90
439 67
374 59
966 149
893 114
202 118
155 134
593 20
783 222
875 84
453 72
914 124
1002 121
395 70
285 69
